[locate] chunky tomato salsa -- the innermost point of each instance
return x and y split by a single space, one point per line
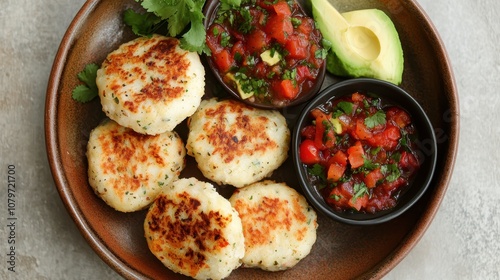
359 152
268 51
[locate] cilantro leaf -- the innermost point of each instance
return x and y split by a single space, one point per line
194 38
88 91
345 106
375 119
290 75
396 157
395 174
88 75
336 197
317 170
183 17
142 24
370 165
246 26
375 151
337 113
327 45
405 141
392 171
321 54
360 189
83 94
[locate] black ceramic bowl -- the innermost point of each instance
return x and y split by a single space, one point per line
210 11
426 149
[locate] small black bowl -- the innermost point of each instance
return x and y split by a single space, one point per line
210 11
427 153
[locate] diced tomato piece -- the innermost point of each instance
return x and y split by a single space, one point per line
380 200
325 136
379 140
317 112
346 122
282 8
398 116
257 40
306 26
358 203
279 27
236 35
330 139
260 70
392 133
308 132
336 197
256 16
297 47
309 153
224 60
361 132
346 189
316 62
390 187
339 157
356 155
408 161
381 156
262 19
373 177
325 157
340 195
303 73
213 38
335 172
286 89
238 49
357 97
266 5
387 139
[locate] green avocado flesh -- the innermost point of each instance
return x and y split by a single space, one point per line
344 60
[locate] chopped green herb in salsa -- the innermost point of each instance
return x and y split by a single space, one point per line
359 152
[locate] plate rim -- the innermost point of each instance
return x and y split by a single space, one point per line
54 155
121 267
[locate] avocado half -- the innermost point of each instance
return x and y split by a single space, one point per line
342 60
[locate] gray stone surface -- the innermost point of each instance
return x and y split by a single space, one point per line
463 242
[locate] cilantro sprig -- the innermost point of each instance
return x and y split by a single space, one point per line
391 171
375 119
319 171
345 106
86 92
177 15
359 189
183 17
143 24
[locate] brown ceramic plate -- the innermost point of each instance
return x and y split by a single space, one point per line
341 251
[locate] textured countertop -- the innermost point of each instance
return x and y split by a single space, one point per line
463 241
